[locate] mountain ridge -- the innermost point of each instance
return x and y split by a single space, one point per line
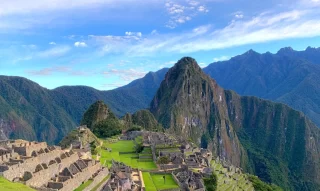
271 140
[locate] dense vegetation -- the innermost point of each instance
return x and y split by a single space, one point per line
102 121
211 183
268 139
262 186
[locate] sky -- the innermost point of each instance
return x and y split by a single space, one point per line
106 44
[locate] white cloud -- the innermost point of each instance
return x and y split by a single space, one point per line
80 44
221 58
137 34
126 74
26 7
182 11
203 9
154 32
53 52
238 15
52 43
263 28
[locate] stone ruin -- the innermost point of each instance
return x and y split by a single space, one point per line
124 178
189 180
46 167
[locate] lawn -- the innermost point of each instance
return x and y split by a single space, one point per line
161 185
148 182
6 185
83 186
154 182
130 158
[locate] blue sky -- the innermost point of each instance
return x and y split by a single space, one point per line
108 43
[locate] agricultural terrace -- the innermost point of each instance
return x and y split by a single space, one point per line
6 185
233 182
125 151
154 182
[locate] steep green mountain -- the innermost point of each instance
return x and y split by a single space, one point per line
101 121
291 77
127 99
97 112
29 111
146 120
268 139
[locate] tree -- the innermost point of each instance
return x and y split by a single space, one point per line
163 160
211 182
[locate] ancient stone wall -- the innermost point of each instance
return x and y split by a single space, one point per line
26 149
83 176
102 174
30 164
6 157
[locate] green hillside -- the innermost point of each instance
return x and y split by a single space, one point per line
267 139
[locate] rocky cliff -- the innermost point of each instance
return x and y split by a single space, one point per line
271 140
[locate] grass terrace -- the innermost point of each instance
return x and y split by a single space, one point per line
155 182
84 185
236 182
6 185
124 151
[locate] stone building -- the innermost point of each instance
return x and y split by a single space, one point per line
46 167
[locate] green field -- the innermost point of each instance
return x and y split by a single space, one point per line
130 158
154 182
83 186
6 185
241 184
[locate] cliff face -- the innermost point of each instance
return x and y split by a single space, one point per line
189 103
271 140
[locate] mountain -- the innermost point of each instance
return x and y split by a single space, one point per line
268 139
30 111
101 121
97 112
127 99
290 77
146 120
311 54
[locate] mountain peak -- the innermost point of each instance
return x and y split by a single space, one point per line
187 61
311 49
251 52
97 112
285 50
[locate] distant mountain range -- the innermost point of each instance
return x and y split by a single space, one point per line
268 139
32 112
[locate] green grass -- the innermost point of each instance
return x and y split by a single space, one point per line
161 185
6 185
148 182
233 184
83 186
130 159
154 182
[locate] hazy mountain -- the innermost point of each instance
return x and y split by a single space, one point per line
269 139
29 111
32 112
290 77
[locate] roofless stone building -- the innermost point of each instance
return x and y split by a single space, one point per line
46 167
